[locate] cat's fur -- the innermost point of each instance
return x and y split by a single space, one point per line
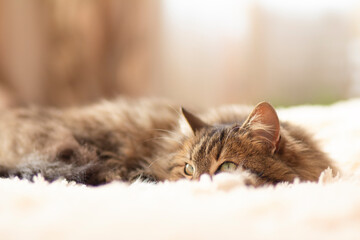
149 139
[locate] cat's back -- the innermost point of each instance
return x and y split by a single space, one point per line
123 113
25 131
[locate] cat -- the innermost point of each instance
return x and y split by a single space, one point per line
151 140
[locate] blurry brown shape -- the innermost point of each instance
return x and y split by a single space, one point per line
21 51
63 53
73 52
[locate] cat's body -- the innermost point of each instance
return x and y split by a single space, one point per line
130 139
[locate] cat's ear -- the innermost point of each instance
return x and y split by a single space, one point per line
264 123
192 121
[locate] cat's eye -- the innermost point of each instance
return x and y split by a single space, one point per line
189 170
227 167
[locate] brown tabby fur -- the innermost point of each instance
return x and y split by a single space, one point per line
148 139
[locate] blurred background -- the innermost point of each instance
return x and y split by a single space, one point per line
194 52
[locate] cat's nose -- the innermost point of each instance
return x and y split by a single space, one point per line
196 176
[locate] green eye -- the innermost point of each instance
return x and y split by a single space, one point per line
227 167
189 170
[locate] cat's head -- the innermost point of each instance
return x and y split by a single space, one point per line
249 145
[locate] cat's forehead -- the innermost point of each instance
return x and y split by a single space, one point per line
225 142
210 140
216 131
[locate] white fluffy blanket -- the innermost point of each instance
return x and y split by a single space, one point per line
222 208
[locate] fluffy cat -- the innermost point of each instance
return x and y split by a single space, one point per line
148 139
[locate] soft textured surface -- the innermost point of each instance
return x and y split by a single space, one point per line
221 208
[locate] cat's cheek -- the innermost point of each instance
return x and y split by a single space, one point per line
176 175
173 179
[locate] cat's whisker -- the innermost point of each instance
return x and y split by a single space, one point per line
175 110
167 131
165 138
152 163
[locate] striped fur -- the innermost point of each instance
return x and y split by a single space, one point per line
147 139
